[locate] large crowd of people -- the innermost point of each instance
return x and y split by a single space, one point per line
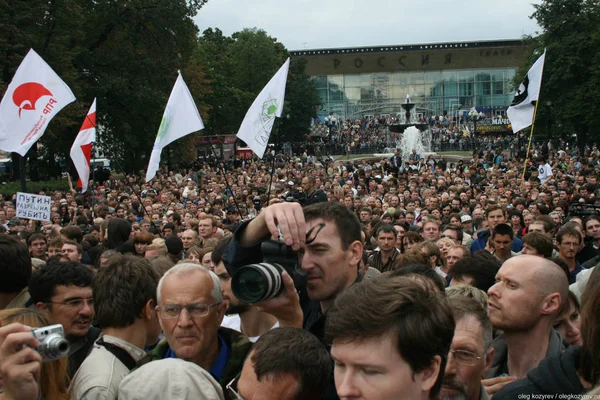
426 278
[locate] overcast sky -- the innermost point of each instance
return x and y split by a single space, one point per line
313 24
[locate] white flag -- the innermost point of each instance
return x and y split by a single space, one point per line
522 109
258 122
181 118
35 95
81 151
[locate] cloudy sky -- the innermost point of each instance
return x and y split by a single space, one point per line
313 24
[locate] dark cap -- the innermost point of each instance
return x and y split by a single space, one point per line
14 221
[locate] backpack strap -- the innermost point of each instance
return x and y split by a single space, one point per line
121 354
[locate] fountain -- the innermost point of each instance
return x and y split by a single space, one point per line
415 135
413 138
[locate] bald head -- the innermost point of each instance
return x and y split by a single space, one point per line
548 277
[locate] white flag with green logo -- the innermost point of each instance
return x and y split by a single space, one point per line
181 118
258 123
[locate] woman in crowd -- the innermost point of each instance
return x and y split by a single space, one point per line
568 324
53 375
141 241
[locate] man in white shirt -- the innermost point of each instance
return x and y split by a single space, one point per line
544 170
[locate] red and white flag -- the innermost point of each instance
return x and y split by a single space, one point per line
35 95
81 151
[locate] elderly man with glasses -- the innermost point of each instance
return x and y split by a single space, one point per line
471 354
190 309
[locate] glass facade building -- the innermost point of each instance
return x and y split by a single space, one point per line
433 91
362 82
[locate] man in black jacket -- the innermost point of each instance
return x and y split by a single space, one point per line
573 372
327 236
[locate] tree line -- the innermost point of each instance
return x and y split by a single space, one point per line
127 54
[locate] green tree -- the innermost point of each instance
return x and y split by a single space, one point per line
570 95
302 100
238 69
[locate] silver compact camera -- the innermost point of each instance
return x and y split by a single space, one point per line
53 344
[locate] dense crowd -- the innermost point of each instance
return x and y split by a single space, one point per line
426 278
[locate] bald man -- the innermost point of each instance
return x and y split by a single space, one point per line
527 296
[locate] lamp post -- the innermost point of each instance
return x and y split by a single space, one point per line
475 116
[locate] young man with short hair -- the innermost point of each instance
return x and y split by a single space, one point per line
569 241
383 259
399 352
124 293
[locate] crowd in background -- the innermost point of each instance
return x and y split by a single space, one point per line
124 267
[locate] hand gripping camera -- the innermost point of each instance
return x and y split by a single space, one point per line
258 282
53 344
254 283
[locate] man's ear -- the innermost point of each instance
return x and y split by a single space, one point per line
551 304
356 252
429 376
149 312
40 306
488 362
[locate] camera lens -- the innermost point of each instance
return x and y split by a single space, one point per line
54 347
257 282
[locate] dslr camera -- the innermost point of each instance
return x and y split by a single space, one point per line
254 283
53 344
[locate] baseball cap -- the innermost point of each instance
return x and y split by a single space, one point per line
14 221
466 218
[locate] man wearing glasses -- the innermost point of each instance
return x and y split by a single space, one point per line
64 292
470 354
190 309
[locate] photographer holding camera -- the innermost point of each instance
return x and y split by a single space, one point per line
327 239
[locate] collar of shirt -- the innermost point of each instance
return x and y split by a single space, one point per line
133 350
219 366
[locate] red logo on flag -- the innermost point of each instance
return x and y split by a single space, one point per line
26 95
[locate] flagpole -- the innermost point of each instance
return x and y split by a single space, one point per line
272 169
537 103
93 177
226 180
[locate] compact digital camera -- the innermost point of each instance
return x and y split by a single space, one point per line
53 344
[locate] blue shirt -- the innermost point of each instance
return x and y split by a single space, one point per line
573 274
218 367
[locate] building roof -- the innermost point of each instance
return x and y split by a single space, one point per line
409 47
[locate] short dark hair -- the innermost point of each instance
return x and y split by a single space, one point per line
567 231
385 228
220 250
121 290
36 236
305 357
419 318
347 224
46 278
72 232
481 266
504 230
15 264
539 241
459 231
